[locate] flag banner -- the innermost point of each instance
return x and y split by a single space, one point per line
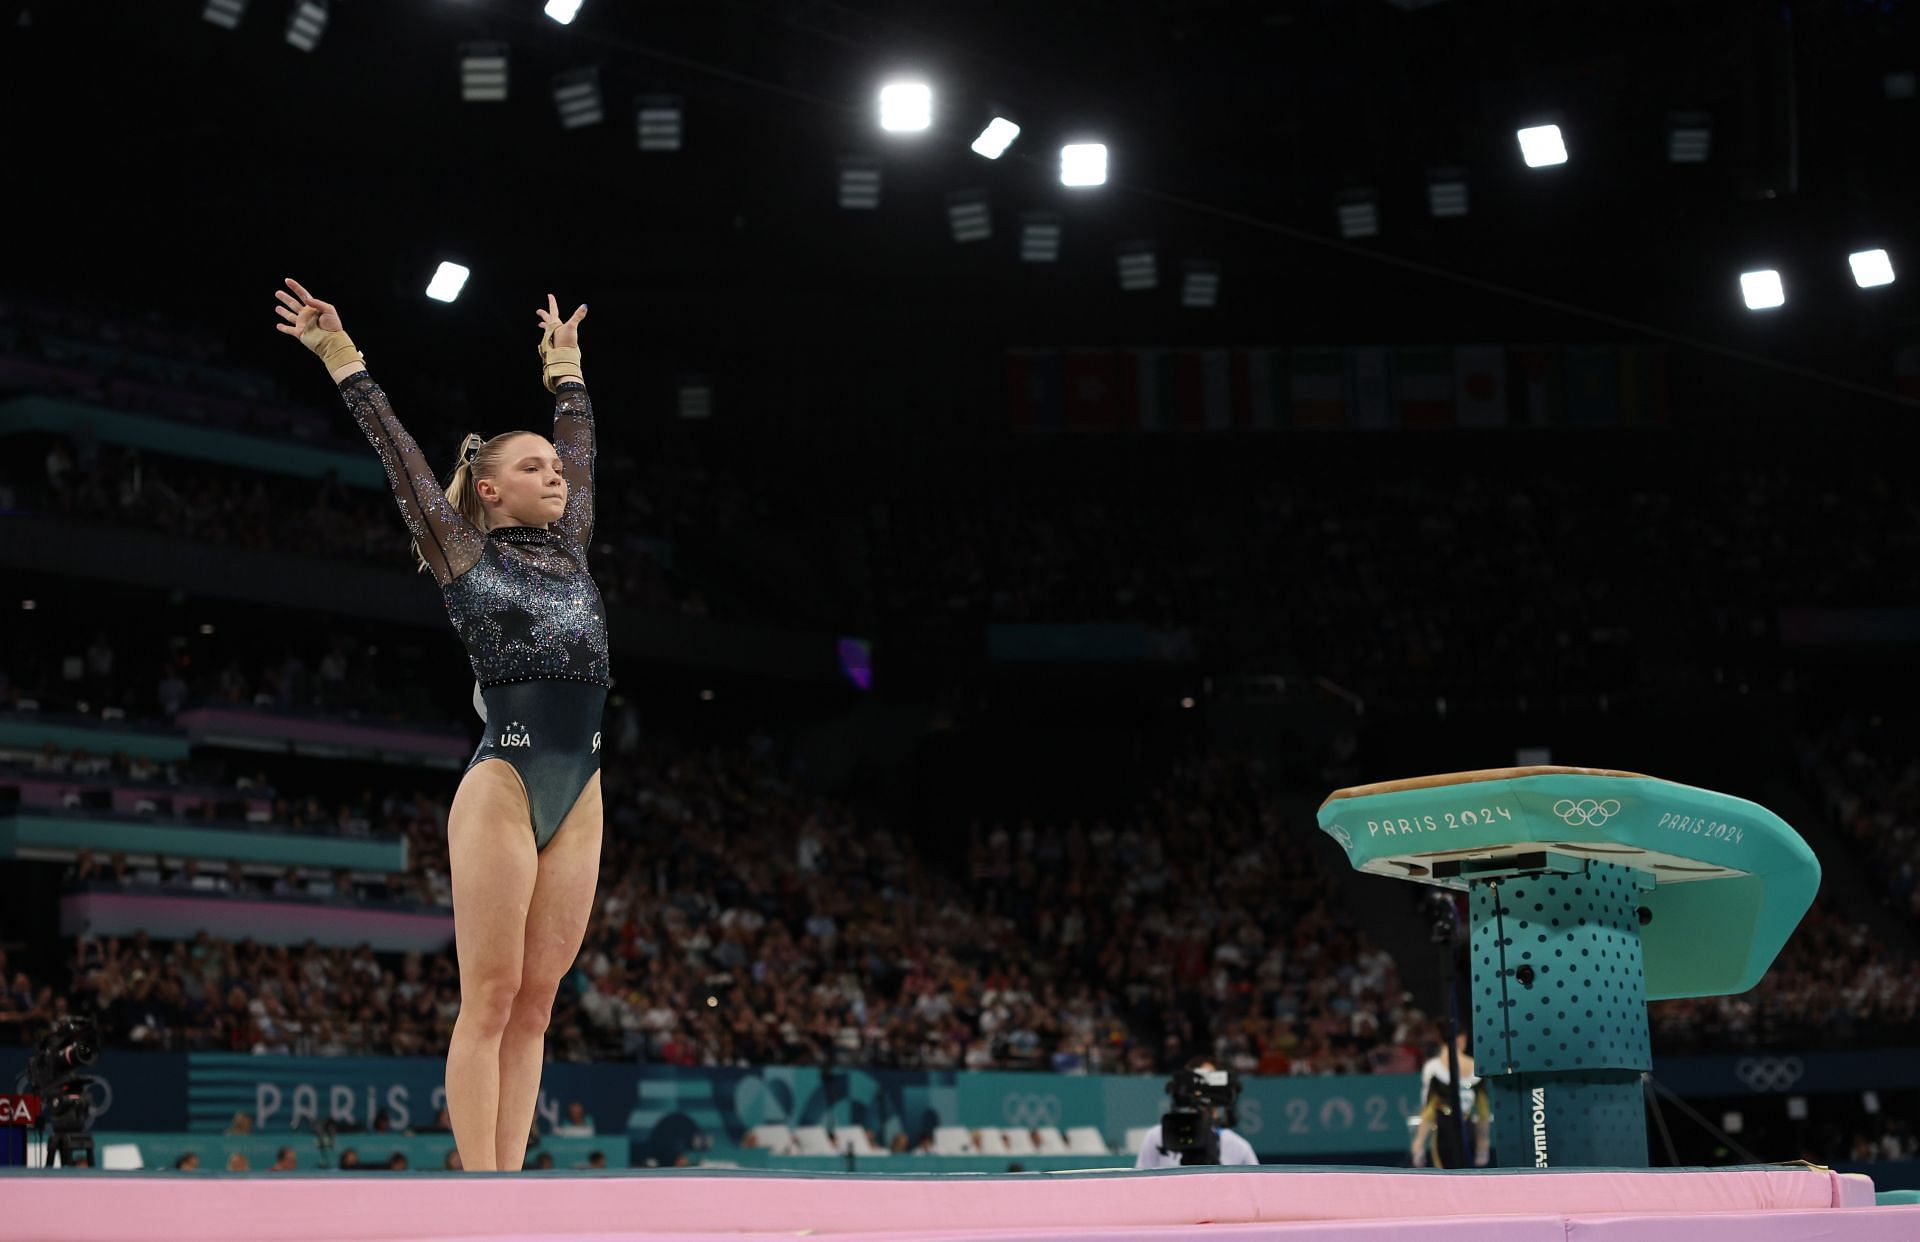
1480 385
1216 372
1425 385
1259 376
1189 391
1153 389
1593 385
1317 383
1536 385
1099 392
1033 389
1262 388
1370 386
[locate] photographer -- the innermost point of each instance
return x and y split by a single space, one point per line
1203 1102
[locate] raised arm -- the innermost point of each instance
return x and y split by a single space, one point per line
448 542
572 419
573 440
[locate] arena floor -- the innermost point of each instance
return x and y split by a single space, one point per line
1765 1204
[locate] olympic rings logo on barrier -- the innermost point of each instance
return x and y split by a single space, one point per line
1344 837
1030 1111
1586 812
1769 1073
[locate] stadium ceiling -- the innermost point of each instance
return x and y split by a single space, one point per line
1237 130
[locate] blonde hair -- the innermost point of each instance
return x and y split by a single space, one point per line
488 456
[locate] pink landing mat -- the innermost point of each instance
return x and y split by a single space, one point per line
1769 1204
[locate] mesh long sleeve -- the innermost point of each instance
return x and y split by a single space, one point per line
449 542
573 440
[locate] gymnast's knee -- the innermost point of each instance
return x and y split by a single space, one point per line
532 1009
489 1003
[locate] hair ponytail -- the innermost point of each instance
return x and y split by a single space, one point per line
478 459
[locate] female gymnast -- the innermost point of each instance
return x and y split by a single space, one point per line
507 542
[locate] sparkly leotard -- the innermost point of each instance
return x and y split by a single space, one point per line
522 600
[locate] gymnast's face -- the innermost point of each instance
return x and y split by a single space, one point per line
528 487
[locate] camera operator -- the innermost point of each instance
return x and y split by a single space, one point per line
1203 1106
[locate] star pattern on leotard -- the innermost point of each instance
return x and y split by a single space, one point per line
530 610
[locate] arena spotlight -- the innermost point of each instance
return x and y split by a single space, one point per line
1762 289
1871 268
1446 192
563 11
1139 267
224 13
1689 137
1039 237
307 23
576 94
657 120
694 398
859 184
906 107
1541 146
996 138
1200 285
969 215
483 72
447 282
1083 163
1358 213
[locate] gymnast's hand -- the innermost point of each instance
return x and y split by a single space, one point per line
560 345
305 312
558 333
317 326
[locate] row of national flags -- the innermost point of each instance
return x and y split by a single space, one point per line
1370 386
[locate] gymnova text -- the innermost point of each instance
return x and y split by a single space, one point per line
1539 1102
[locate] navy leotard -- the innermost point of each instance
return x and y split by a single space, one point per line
521 599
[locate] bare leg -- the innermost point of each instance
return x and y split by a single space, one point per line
557 919
494 865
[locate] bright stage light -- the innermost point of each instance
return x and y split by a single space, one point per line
306 24
447 282
996 138
970 215
1039 237
563 11
1689 137
576 94
1201 287
657 122
1447 193
1871 268
1139 268
859 184
1542 146
225 13
1762 290
483 73
1358 213
1083 163
906 107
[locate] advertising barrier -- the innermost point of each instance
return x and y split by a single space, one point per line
666 1110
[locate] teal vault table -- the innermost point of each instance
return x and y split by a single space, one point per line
1590 893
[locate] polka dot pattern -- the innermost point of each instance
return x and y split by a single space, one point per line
1559 982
